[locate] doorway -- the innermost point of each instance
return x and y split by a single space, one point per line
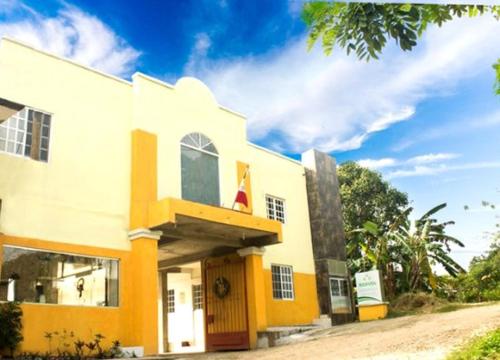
182 309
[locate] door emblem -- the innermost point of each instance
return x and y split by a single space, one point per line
221 287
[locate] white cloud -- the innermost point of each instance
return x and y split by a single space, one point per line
416 160
73 34
377 163
304 100
432 158
439 169
461 126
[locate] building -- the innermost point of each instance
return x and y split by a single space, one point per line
117 214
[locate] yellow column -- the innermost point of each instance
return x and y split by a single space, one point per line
256 299
144 290
143 177
144 256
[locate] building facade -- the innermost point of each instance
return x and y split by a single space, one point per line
117 214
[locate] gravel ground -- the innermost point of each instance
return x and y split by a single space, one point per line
430 336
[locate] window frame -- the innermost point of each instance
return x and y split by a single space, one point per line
274 217
50 134
170 301
49 251
282 275
217 155
344 291
198 304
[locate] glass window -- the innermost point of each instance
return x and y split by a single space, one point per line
339 292
275 208
282 280
26 133
171 300
37 276
199 170
197 297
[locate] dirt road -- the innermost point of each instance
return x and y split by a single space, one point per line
429 336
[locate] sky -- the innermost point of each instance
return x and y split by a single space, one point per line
428 119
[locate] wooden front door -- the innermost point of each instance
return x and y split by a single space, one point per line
226 306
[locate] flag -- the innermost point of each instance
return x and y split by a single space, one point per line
241 195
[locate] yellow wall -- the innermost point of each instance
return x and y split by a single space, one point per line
283 178
81 195
112 322
173 112
373 312
81 198
299 311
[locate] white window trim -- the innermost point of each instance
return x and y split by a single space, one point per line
281 282
171 301
219 163
274 198
51 135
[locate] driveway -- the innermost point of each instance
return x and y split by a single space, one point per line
429 336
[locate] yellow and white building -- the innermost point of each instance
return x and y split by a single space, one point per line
117 217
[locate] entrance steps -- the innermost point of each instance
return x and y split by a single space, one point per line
281 335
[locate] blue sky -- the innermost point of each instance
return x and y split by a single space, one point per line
428 120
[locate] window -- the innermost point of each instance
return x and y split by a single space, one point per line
171 300
38 276
339 292
199 169
197 297
26 133
275 208
282 278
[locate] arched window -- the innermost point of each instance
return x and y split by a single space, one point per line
199 169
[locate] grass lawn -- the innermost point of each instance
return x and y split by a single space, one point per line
486 347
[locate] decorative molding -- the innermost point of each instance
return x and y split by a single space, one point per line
144 233
252 250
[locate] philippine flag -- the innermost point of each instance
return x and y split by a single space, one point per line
241 196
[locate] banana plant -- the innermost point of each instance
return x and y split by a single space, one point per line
411 246
425 243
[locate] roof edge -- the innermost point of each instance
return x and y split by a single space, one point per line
277 154
65 59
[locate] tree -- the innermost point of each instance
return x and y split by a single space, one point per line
422 243
482 282
497 70
367 197
365 28
405 250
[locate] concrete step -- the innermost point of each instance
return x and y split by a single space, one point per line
282 335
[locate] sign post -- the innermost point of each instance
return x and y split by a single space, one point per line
370 296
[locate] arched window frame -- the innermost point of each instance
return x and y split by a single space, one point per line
201 148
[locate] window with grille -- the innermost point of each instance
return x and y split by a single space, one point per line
282 279
27 133
199 169
197 297
275 208
171 300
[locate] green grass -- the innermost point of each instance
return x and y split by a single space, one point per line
486 347
453 307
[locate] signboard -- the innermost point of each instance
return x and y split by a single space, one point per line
369 289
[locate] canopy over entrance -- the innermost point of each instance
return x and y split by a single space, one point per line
191 231
8 108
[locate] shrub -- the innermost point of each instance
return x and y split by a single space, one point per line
480 348
70 347
10 326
